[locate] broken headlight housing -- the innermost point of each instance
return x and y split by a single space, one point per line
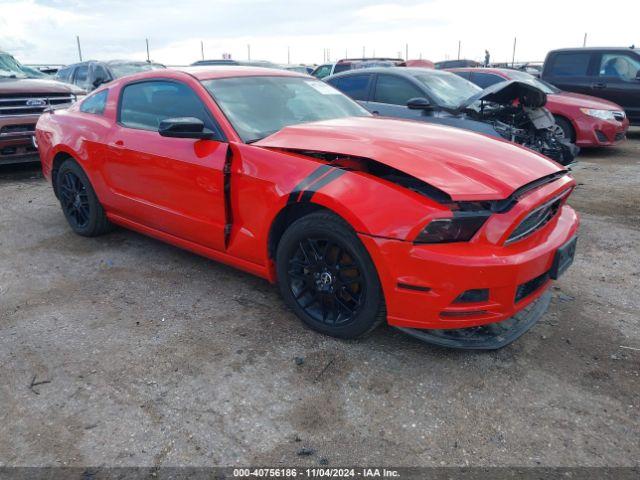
601 114
459 228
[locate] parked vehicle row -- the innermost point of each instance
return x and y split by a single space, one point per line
513 110
584 120
91 74
609 73
450 235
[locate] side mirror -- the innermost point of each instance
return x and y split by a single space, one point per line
419 103
184 127
99 81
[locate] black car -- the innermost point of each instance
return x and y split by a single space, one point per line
92 73
609 73
513 110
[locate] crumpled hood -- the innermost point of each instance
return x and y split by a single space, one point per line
505 93
464 164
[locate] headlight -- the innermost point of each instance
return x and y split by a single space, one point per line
460 228
601 114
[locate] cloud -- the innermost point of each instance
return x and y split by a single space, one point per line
44 31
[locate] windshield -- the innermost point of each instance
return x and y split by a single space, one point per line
536 82
448 89
10 67
260 106
123 69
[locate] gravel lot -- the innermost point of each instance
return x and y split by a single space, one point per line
154 356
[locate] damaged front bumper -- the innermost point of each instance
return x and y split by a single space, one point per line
486 337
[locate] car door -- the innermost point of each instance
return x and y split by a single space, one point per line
173 185
357 87
390 96
618 81
571 71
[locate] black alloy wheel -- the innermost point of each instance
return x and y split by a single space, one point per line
79 202
325 281
74 200
327 277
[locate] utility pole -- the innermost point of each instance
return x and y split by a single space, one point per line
79 49
328 54
288 55
406 52
248 52
459 46
363 52
147 41
584 42
513 58
202 49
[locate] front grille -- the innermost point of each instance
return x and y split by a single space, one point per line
17 130
537 219
527 288
618 115
32 103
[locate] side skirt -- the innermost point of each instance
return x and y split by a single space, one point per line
255 269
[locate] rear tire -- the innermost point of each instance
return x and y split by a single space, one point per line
79 202
327 277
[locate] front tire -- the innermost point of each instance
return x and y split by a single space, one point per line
79 202
565 129
327 277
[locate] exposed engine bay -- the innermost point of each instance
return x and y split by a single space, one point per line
515 109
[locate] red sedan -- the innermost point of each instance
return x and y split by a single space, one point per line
358 219
586 121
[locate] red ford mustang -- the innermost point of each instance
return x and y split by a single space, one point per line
448 234
585 120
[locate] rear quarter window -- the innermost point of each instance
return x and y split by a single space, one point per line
484 80
356 87
95 103
570 64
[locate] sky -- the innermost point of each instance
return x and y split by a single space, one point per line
301 31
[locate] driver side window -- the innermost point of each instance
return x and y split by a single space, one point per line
144 105
619 66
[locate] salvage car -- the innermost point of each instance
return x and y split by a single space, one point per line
582 119
513 110
24 95
452 236
609 73
91 74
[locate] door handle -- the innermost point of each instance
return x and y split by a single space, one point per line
118 144
598 86
375 112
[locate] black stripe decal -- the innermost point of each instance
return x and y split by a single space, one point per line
312 177
323 182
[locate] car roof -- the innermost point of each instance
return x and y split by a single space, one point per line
588 49
400 71
498 71
210 72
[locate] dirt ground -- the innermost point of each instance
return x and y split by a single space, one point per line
122 350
